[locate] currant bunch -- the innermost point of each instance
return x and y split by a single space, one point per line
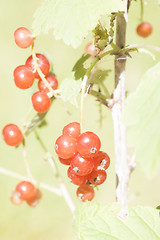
26 191
25 75
87 164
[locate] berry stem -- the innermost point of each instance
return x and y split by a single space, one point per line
47 84
142 10
21 177
29 174
53 165
86 79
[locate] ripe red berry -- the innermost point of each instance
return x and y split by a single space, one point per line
101 161
90 49
41 102
74 178
88 144
12 135
43 64
35 200
144 29
23 37
82 166
65 146
23 77
26 190
15 198
72 129
52 81
65 161
97 177
85 193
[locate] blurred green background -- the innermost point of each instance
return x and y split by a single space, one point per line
52 219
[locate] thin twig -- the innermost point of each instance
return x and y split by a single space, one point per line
55 169
21 177
29 174
155 48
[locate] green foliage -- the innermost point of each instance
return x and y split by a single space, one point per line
99 75
101 37
142 117
79 69
72 20
69 90
96 222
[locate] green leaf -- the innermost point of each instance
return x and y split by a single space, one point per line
78 69
99 75
70 90
71 20
142 117
96 222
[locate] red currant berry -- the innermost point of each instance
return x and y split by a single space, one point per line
101 161
97 177
26 190
23 37
12 135
85 193
23 77
82 166
43 64
88 144
90 49
41 102
72 129
65 146
15 198
144 29
35 200
74 178
52 81
65 161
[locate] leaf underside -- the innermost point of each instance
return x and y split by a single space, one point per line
71 20
96 222
142 118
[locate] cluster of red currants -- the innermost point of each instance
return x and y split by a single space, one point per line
26 191
87 163
24 75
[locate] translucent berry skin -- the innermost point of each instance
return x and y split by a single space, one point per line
33 202
23 37
88 144
144 29
82 166
41 102
12 135
65 161
43 64
23 77
65 146
90 49
72 129
15 198
85 193
97 177
74 178
52 81
101 161
26 190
